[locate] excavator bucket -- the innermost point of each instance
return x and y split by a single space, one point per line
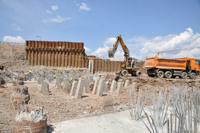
110 53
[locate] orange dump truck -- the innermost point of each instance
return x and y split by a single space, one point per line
169 68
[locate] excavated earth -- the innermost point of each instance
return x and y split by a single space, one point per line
60 106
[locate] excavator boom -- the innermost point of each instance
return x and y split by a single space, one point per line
112 51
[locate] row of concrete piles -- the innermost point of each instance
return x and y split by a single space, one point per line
101 86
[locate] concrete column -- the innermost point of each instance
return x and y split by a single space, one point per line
113 86
127 82
45 88
119 86
101 87
79 89
96 82
73 88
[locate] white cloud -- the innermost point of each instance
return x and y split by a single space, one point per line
87 50
54 7
58 19
84 7
15 39
180 45
184 44
103 51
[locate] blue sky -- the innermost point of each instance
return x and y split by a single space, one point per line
144 24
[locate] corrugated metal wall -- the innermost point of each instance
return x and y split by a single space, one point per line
102 65
58 54
65 54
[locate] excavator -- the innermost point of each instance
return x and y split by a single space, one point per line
128 67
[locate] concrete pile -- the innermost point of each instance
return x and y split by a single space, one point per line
44 88
66 85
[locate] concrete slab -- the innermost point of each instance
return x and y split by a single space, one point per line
119 122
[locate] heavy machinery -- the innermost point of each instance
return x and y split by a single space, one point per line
169 68
129 64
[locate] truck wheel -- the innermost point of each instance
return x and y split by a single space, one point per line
193 75
138 73
168 74
124 73
160 74
184 75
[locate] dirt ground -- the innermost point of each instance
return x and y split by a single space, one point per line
60 106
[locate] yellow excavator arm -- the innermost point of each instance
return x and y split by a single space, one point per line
112 51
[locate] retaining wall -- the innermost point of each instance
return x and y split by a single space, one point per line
58 54
66 54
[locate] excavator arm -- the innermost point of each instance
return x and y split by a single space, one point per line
111 51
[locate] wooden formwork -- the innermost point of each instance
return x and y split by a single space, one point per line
56 54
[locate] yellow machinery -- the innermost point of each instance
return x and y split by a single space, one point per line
128 66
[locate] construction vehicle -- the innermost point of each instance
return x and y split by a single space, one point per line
169 68
128 67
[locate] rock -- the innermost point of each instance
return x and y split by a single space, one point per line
2 81
20 82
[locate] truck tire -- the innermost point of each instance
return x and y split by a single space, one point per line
184 75
138 73
160 74
193 75
124 73
168 74
151 73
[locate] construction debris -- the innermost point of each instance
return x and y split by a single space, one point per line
34 116
34 121
20 98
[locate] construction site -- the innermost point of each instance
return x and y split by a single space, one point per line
55 87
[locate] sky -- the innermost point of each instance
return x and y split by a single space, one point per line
147 26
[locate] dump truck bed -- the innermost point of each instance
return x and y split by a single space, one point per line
159 63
